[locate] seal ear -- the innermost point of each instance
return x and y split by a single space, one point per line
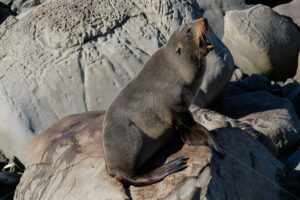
178 48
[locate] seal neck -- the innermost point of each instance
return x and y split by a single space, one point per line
188 67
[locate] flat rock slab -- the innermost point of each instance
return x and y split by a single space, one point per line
66 162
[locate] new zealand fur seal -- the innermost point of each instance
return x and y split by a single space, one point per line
153 107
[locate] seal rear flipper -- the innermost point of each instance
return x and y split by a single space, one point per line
157 174
199 135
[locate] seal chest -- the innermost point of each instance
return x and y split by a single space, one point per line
153 108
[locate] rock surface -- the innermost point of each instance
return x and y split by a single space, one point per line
21 6
264 42
3 160
4 12
63 56
291 10
214 11
297 77
293 162
8 180
66 162
291 91
8 184
273 116
213 120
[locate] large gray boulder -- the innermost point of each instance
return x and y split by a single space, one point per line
291 9
262 42
66 162
67 57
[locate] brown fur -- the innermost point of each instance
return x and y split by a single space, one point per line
151 109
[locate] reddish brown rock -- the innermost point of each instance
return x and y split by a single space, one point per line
66 162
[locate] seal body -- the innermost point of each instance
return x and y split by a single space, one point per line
153 107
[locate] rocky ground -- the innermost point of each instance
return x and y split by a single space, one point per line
60 57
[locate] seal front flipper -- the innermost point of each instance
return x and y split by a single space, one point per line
156 175
199 135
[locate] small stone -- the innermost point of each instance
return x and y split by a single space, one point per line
237 75
289 80
280 83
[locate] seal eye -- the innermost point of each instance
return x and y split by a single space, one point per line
188 32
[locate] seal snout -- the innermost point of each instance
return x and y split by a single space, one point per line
208 45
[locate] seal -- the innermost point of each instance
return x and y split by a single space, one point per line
153 108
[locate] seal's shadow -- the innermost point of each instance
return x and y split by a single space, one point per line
159 158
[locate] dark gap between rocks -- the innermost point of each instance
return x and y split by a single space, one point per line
271 3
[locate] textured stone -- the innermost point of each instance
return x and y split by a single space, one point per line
273 116
65 57
262 42
66 162
213 10
213 120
